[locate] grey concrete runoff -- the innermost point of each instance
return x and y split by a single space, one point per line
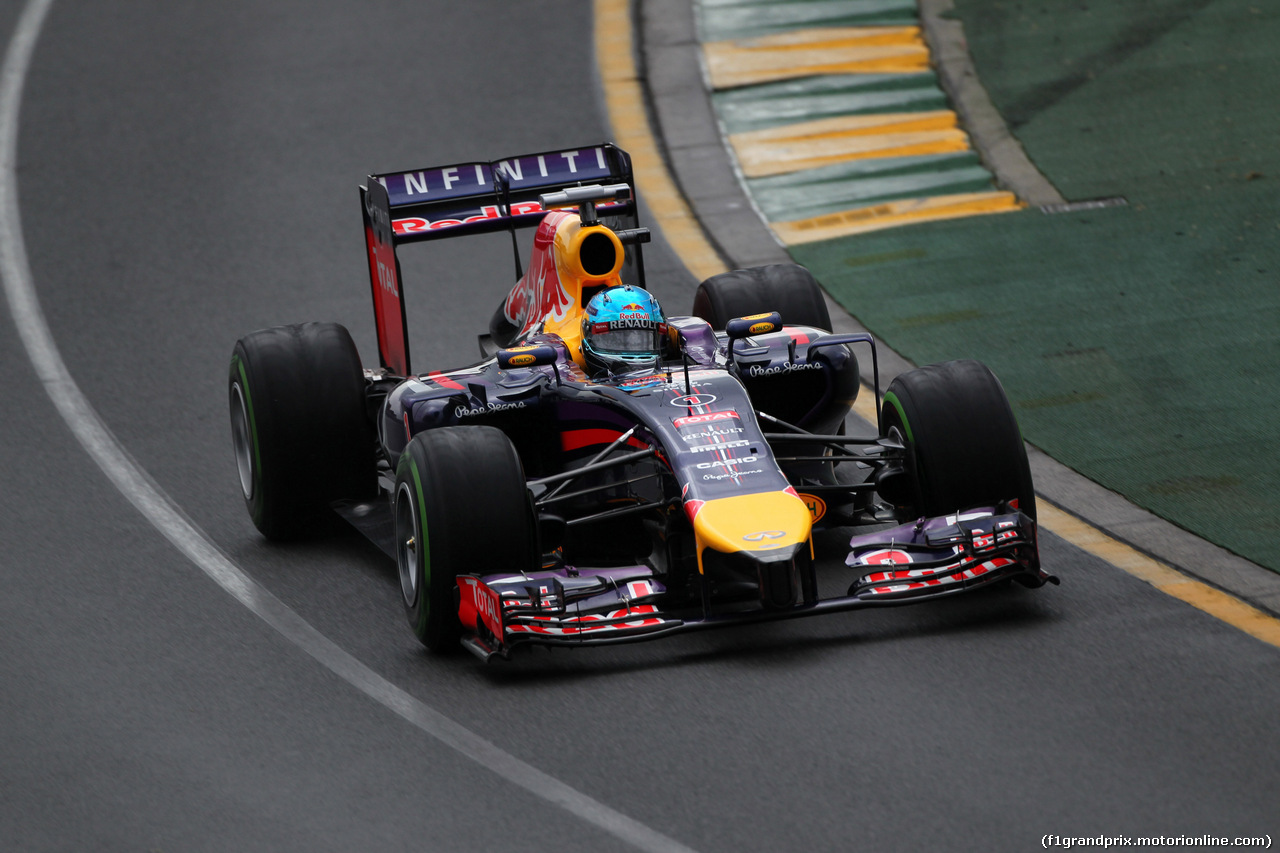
693 144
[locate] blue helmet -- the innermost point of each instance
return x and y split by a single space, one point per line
622 330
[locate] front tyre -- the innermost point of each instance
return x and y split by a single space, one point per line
461 507
299 429
963 445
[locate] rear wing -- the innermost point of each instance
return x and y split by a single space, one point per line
470 198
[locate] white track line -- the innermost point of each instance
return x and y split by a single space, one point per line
134 483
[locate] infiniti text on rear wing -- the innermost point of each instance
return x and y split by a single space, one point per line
468 198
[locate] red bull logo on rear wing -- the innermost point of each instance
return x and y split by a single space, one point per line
523 213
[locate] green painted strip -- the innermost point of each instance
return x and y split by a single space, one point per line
809 98
721 20
845 186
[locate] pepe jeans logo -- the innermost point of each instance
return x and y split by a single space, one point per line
472 412
786 367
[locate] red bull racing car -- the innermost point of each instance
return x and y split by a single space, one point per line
608 472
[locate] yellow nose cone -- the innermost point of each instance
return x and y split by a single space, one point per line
752 523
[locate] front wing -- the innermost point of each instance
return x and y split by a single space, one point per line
928 559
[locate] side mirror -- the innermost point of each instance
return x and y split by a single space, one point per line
526 356
753 324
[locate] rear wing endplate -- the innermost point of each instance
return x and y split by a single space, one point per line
469 198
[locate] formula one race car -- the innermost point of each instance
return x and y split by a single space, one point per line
608 473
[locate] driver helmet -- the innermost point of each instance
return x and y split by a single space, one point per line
622 330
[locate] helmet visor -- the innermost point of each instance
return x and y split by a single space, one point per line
632 341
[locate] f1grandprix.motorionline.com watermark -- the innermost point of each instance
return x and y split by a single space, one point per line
1107 841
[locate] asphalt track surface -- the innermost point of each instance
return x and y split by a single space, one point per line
187 173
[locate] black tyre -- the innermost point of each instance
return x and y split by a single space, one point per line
964 448
789 289
299 428
461 507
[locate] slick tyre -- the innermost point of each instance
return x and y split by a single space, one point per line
963 445
789 289
461 507
299 428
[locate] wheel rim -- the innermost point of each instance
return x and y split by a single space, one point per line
241 440
408 539
895 434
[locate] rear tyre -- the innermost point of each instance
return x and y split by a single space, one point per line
963 445
461 507
299 428
789 289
